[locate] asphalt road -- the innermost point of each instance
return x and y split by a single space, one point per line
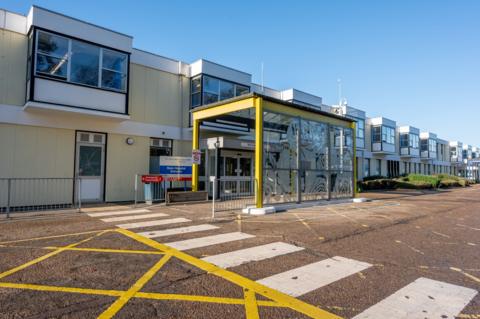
406 254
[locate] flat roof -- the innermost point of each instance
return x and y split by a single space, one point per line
274 100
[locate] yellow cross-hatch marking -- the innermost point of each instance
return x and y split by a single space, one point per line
250 288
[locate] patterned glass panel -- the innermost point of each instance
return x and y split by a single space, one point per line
313 145
279 186
280 141
314 185
341 186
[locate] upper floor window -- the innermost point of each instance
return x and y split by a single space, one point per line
360 129
376 134
207 89
432 145
388 135
414 140
80 62
404 140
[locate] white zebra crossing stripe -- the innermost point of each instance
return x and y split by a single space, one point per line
119 212
242 256
132 217
154 223
302 280
177 231
208 240
423 298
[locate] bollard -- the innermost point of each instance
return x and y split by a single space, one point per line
214 188
9 186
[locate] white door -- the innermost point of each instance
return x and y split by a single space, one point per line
90 165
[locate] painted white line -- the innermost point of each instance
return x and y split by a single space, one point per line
243 256
119 212
154 223
208 241
177 231
301 280
132 217
423 298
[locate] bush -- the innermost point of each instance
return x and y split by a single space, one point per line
433 180
412 181
377 184
415 185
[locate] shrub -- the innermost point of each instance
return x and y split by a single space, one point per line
432 179
377 184
446 183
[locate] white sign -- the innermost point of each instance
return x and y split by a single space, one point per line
175 165
196 157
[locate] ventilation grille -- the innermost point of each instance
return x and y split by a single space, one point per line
160 142
84 137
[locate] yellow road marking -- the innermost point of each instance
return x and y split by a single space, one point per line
107 250
113 293
42 258
130 293
56 236
281 298
251 307
308 227
466 274
140 295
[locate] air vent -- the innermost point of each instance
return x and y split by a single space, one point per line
84 137
166 143
97 138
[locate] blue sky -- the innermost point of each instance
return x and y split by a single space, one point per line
416 62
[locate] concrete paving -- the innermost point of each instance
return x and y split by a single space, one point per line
406 254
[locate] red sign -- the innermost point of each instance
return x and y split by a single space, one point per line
152 179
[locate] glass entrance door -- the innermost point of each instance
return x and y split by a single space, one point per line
236 171
90 165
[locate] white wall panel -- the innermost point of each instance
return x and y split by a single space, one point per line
75 95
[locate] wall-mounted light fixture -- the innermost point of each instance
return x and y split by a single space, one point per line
129 140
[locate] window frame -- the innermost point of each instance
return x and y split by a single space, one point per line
220 80
70 39
388 133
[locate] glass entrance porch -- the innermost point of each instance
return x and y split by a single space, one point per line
300 153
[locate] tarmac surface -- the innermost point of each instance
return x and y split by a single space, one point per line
406 254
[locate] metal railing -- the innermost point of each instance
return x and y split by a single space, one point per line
230 194
39 194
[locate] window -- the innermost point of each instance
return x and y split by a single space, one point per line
241 90
424 145
213 90
413 140
52 55
432 145
366 167
84 63
196 88
158 147
404 140
376 134
388 135
114 70
79 62
378 170
360 127
227 90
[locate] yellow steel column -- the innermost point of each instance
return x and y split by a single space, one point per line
354 141
195 146
259 152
